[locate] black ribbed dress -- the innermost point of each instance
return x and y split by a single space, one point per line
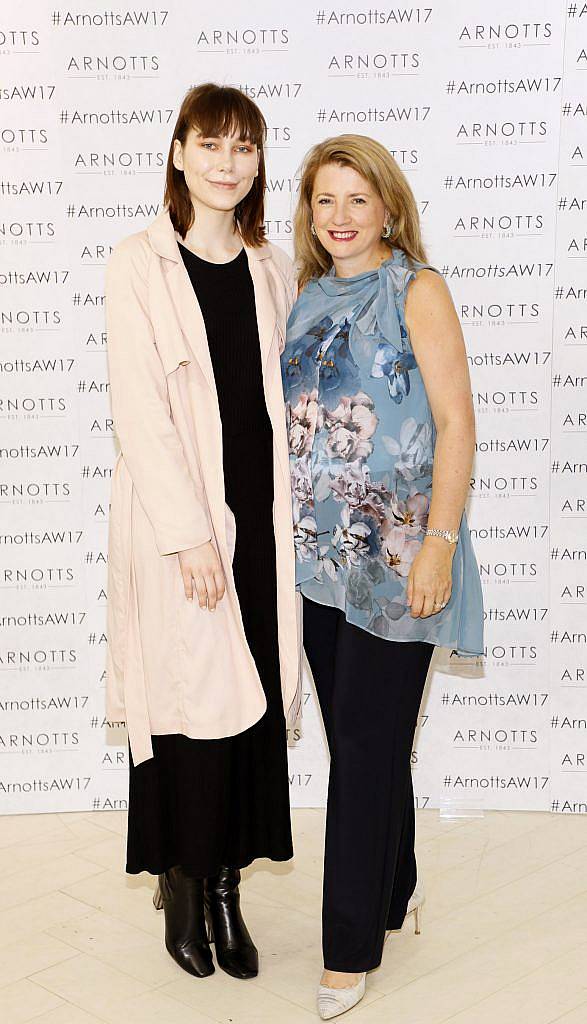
207 803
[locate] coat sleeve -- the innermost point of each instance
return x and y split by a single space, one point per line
150 445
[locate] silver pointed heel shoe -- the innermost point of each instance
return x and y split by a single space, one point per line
334 1001
415 904
414 907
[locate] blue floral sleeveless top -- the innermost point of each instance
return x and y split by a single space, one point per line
361 450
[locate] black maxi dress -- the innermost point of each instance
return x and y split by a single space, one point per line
208 803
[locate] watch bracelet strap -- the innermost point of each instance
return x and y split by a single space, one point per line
450 535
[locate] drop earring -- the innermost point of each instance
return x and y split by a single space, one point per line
313 229
386 230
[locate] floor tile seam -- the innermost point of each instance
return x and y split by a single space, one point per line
496 847
515 981
499 935
221 1020
108 913
566 1013
31 1020
526 874
453 960
78 1006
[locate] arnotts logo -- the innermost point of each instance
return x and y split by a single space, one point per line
261 37
496 737
100 63
46 740
47 574
26 229
24 136
508 571
123 160
502 130
506 400
511 222
504 484
30 318
356 62
524 31
19 38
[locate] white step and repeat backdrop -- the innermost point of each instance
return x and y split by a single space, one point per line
484 106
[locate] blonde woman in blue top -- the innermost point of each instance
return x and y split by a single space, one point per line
382 435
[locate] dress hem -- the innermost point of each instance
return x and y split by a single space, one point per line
400 639
242 864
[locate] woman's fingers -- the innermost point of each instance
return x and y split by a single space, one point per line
188 585
425 604
428 605
417 602
201 569
211 590
201 590
220 585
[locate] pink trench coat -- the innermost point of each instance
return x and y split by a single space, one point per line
171 666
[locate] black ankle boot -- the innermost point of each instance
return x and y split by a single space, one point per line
182 900
235 951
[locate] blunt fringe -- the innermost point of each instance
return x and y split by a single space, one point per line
218 110
374 163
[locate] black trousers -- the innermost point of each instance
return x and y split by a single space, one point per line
370 690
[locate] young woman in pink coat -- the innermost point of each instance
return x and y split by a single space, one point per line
203 660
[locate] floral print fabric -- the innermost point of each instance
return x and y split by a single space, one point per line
361 443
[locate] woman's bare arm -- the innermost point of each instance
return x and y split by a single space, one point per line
439 348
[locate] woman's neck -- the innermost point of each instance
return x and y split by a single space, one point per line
362 263
213 235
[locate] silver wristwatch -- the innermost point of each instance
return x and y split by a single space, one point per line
451 535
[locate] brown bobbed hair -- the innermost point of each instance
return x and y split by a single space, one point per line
374 163
214 111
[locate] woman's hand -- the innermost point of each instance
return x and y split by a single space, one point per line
201 567
430 577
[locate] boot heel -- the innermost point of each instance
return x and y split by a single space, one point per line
209 925
158 898
162 892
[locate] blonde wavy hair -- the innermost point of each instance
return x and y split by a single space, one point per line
374 163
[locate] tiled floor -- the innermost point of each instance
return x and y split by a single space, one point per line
504 929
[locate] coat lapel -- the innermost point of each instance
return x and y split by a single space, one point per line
189 315
164 241
264 302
